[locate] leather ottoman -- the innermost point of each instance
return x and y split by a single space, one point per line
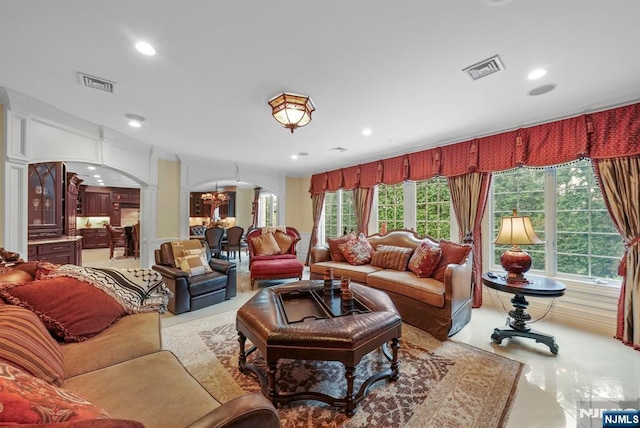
272 268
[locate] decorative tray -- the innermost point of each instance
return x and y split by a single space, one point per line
305 305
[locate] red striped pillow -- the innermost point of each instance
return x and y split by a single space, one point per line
26 343
391 257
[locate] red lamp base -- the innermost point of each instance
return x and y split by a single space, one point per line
516 262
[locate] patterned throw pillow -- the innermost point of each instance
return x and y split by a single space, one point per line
284 241
179 247
357 251
391 257
451 253
334 251
71 310
424 260
26 343
28 400
193 261
265 245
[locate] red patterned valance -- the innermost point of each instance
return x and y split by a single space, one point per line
606 134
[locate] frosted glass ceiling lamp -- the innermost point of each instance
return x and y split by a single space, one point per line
292 110
515 231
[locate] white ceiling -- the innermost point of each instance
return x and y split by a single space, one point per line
393 66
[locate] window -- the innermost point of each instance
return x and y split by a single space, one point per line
568 212
339 215
391 206
268 209
433 208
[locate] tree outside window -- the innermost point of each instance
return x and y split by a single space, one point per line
433 208
391 206
339 215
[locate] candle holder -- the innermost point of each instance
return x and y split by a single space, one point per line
328 281
346 299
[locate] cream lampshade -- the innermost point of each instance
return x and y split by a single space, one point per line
515 231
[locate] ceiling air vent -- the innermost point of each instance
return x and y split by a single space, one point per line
338 149
97 83
484 68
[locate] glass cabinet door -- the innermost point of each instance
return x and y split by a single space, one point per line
45 199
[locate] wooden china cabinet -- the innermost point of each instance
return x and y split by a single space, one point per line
51 208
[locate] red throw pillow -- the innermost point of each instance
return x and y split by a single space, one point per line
71 310
425 260
334 251
451 253
28 400
357 251
391 257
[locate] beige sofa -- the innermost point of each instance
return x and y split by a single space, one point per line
124 371
440 308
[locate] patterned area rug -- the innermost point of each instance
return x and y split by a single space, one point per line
441 384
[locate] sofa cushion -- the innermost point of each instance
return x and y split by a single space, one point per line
284 241
391 257
193 261
207 283
451 253
357 251
424 260
118 389
26 343
28 400
265 245
71 310
427 290
340 269
334 251
131 337
178 247
282 266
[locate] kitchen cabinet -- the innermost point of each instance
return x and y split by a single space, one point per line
228 209
96 204
95 238
45 196
196 207
125 195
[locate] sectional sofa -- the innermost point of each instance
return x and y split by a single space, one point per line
122 372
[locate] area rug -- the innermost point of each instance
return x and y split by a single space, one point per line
441 384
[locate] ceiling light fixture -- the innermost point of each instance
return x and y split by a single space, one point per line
91 168
294 156
135 121
292 110
536 74
145 48
366 131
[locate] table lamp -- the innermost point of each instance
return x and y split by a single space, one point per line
515 231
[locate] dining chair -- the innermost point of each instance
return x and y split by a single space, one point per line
135 231
213 236
117 238
234 241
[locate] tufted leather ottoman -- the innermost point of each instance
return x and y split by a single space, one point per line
279 329
275 268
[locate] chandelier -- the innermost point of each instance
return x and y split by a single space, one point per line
291 110
215 199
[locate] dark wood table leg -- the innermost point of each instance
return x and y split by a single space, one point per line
272 368
350 408
518 318
395 372
242 360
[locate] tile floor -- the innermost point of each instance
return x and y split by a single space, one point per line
589 367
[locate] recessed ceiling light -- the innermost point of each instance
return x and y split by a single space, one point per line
294 156
366 131
101 184
96 176
536 74
540 90
145 48
99 180
91 168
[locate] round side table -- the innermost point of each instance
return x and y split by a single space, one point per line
518 316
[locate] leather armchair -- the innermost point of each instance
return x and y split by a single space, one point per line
248 411
195 292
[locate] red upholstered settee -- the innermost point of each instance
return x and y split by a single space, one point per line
267 262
